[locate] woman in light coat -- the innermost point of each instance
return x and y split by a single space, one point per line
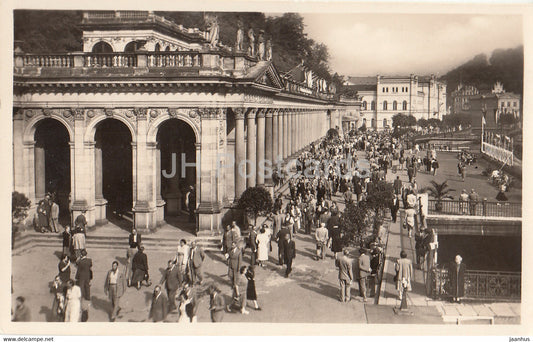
263 240
73 305
404 271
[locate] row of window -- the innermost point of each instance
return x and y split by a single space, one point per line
515 104
395 89
103 47
385 105
373 122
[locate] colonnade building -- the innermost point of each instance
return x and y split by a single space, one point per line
102 128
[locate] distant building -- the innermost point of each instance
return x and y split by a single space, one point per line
382 97
493 105
460 98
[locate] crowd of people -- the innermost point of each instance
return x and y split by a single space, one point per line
330 175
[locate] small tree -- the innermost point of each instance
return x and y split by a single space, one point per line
378 199
353 223
439 192
255 202
19 207
332 134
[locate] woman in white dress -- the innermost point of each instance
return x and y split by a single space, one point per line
263 239
73 305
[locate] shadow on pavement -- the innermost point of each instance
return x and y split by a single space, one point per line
384 314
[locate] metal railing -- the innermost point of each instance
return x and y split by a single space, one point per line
483 285
482 208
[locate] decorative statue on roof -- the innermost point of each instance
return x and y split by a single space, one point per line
251 41
239 45
268 48
213 29
261 46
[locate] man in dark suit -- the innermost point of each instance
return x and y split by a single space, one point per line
364 272
398 186
281 238
196 261
84 275
394 207
217 304
253 245
170 279
345 276
289 253
234 262
134 241
159 307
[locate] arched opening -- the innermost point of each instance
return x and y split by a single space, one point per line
394 105
157 47
52 165
102 47
373 105
384 105
176 141
404 105
364 105
131 47
113 171
167 48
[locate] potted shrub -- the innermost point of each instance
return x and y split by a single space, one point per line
439 192
255 202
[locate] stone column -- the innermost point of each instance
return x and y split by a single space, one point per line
40 181
19 181
240 153
100 201
293 148
269 138
208 208
250 148
281 130
260 147
83 179
144 199
160 203
275 136
286 133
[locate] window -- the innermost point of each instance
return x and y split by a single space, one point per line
394 105
384 122
384 105
373 105
364 105
406 89
404 105
157 47
373 123
167 48
514 104
508 104
383 89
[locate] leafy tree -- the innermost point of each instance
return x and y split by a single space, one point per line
508 119
355 220
399 120
379 196
332 133
423 123
411 121
255 201
434 123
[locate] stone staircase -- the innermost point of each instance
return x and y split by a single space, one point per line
96 240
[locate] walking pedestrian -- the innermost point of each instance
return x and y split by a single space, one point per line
140 269
134 241
216 304
22 312
67 241
159 306
321 237
345 276
404 270
114 287
73 303
172 284
239 292
64 269
196 262
456 272
54 217
365 270
251 293
289 254
262 243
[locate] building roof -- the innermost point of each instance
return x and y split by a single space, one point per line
365 80
361 87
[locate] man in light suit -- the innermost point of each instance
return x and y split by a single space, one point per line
345 276
196 261
115 284
364 271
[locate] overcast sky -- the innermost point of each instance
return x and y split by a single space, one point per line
401 44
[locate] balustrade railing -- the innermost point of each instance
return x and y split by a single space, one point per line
175 59
50 61
110 60
482 285
482 208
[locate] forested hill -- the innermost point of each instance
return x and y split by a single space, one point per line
504 65
57 31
